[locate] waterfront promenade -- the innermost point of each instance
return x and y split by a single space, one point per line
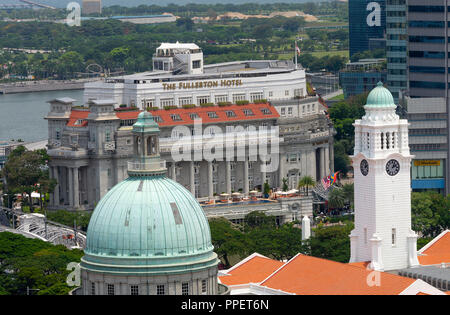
41 86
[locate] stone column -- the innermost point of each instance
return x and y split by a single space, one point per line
331 148
192 178
173 171
281 173
76 187
210 181
56 198
322 163
228 176
70 188
327 161
263 175
246 188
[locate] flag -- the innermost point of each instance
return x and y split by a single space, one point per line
297 49
326 182
334 178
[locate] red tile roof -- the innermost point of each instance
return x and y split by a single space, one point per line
254 270
305 275
202 112
437 252
78 115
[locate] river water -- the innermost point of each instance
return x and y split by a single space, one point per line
22 115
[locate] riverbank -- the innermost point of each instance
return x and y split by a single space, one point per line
42 86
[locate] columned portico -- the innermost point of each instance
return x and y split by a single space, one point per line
76 187
322 162
210 181
228 176
246 184
70 185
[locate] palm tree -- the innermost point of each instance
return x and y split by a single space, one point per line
336 198
306 182
285 184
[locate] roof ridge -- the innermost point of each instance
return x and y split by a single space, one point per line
285 264
435 240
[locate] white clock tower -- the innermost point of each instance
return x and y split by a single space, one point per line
382 162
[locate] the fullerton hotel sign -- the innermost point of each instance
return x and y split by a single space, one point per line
201 84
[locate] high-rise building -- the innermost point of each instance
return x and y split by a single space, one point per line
92 6
428 99
367 19
396 47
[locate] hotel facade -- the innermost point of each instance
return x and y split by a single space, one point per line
91 146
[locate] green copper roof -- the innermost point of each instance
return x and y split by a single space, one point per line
145 123
380 97
149 221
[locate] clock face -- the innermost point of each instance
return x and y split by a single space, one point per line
364 167
392 167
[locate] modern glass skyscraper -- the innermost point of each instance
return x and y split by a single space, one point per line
367 19
396 47
428 105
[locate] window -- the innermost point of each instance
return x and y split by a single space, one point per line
175 117
283 111
230 114
256 96
185 288
160 289
134 290
365 235
266 111
202 100
157 119
108 135
221 98
270 94
204 286
248 112
194 116
92 288
286 93
289 111
58 134
196 64
185 101
167 102
212 115
394 237
238 97
110 288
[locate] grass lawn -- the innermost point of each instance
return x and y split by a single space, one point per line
320 54
338 98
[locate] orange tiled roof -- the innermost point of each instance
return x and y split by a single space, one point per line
202 112
254 270
305 275
438 252
78 115
362 264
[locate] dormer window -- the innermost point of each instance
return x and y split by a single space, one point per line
194 116
231 114
79 122
266 111
212 115
175 117
248 112
158 119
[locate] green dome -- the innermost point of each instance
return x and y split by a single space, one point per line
380 97
148 225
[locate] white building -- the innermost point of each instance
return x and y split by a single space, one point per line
382 164
181 78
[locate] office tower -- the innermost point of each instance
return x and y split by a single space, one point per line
367 20
396 47
428 99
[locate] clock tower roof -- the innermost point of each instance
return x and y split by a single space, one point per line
380 97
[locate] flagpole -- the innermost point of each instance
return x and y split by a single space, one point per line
295 52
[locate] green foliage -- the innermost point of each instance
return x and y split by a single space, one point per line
69 218
34 264
24 170
285 184
306 182
331 243
336 198
430 213
329 63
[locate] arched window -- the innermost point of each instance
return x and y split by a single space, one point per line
388 140
382 141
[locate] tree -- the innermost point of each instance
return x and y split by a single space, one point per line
336 198
429 213
349 193
331 243
24 170
227 239
306 182
285 185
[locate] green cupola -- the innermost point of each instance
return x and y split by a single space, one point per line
380 97
148 224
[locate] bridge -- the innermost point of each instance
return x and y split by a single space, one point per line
38 4
37 226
